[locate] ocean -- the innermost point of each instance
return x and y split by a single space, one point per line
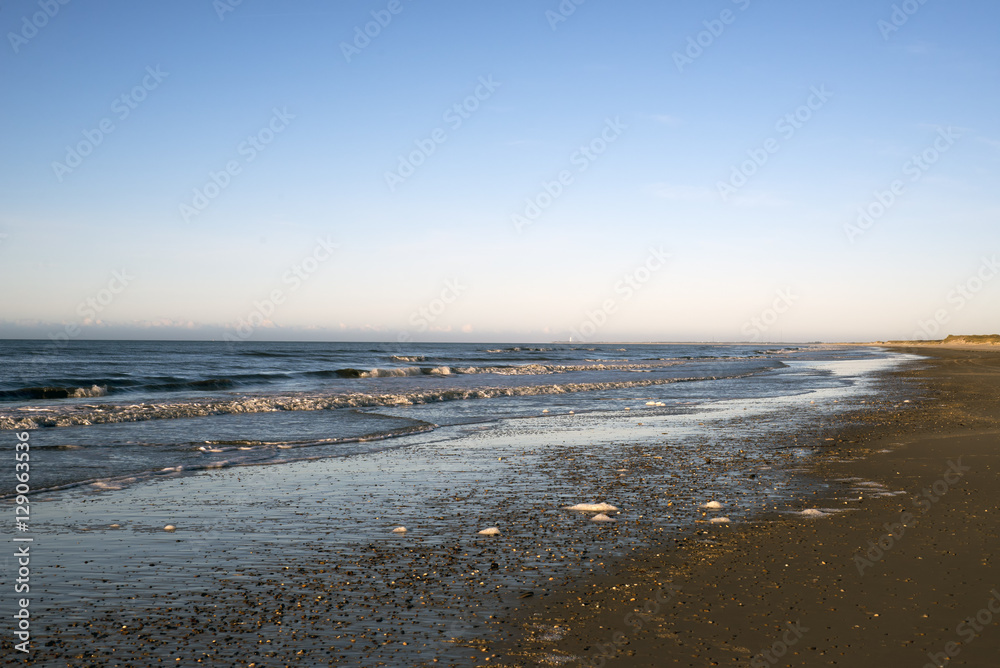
108 413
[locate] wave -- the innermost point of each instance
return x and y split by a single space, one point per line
54 392
110 386
266 353
408 358
116 413
503 370
206 384
229 445
77 388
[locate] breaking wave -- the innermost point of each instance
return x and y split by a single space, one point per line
66 416
55 392
512 370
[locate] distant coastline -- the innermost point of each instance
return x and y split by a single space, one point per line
952 341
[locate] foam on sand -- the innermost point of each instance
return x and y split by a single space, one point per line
592 507
602 518
399 530
719 520
491 531
712 505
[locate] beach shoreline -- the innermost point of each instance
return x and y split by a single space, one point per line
298 562
873 586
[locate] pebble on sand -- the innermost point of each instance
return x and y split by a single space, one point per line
712 505
491 531
602 518
592 507
719 520
169 527
399 530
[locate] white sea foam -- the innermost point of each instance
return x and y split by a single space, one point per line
392 373
592 507
66 416
93 391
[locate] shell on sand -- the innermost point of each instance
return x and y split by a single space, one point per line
719 520
116 526
601 518
491 531
169 527
592 507
399 530
712 505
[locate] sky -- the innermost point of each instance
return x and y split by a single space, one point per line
510 170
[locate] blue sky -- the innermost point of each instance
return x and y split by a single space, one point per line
740 139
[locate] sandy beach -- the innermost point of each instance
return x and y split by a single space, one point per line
299 563
907 578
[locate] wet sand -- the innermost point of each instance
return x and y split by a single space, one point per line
903 579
